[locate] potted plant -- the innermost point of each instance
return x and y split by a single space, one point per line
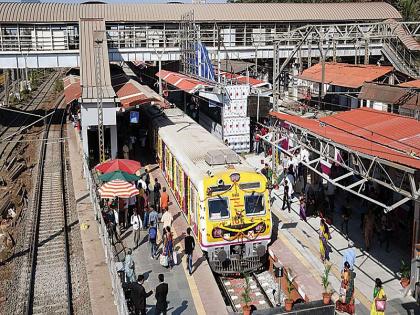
326 296
246 298
288 303
405 274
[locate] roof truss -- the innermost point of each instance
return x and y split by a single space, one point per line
364 168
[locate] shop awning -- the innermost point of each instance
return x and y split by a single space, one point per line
181 81
380 134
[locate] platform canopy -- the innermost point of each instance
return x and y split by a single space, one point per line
72 88
132 93
369 145
182 81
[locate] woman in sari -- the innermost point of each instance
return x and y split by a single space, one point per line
345 302
169 246
324 236
302 208
378 294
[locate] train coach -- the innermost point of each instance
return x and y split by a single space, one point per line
222 197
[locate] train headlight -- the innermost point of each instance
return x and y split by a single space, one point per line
235 177
217 233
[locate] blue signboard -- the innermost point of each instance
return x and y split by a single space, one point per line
134 117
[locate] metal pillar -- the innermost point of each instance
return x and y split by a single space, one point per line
366 61
99 95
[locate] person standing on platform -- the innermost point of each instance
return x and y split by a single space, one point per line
302 208
137 226
151 196
156 190
286 196
189 249
169 249
324 236
167 219
146 177
138 295
161 296
349 255
345 215
153 217
152 240
129 267
164 200
379 298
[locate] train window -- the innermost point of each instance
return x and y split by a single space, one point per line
254 204
218 208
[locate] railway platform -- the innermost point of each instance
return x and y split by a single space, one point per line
196 294
298 246
99 281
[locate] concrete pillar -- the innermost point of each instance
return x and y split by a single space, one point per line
114 141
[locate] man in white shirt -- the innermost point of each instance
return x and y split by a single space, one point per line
137 226
167 219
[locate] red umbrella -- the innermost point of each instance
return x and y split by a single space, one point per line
118 188
128 166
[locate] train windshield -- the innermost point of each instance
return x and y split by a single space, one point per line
218 208
254 204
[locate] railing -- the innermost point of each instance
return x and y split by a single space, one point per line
117 290
405 57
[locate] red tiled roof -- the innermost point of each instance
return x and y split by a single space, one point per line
345 75
376 133
414 84
133 93
181 81
72 88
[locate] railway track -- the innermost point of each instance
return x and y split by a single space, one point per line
9 135
50 289
232 287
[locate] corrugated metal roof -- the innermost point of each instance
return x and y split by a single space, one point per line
345 75
181 81
228 12
409 41
389 94
414 84
89 30
133 93
72 89
368 131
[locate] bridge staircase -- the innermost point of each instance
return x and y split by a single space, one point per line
403 51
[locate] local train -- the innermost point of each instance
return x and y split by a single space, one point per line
223 198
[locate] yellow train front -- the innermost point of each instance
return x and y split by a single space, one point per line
223 198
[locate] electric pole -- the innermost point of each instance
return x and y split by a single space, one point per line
99 94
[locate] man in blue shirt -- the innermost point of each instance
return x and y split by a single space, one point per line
153 216
349 255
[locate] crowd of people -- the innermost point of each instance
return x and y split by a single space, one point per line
319 201
146 213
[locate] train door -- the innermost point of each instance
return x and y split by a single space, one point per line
172 172
185 197
193 209
163 162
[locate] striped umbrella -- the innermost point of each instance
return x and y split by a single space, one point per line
118 188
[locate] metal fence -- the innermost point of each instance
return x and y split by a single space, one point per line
117 290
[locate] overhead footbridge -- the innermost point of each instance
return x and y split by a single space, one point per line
37 35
